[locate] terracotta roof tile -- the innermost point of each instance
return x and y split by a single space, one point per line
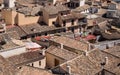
91 64
62 53
114 50
25 58
79 45
27 70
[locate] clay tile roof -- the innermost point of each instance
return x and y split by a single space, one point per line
78 15
27 70
114 51
99 56
35 28
61 7
68 17
6 68
26 2
81 8
52 10
30 10
109 33
90 64
8 41
13 34
79 45
24 58
17 29
61 53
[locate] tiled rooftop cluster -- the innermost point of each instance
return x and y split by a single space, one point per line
59 37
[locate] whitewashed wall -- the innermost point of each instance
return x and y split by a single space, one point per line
12 52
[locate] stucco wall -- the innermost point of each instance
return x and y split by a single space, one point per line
23 20
13 51
12 17
48 19
43 63
45 16
50 60
52 19
9 16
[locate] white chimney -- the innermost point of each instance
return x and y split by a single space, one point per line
82 2
61 45
43 52
86 53
89 47
106 60
68 0
10 3
4 25
69 69
54 1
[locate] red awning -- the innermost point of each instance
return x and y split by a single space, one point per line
90 37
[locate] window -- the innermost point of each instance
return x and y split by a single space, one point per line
64 23
39 63
72 30
53 23
32 64
72 22
57 62
45 34
77 4
19 67
107 47
61 13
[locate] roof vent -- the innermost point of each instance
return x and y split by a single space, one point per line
61 45
43 52
69 69
86 53
106 60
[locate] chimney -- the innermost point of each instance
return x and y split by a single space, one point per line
61 45
97 38
86 53
43 52
4 25
89 47
106 60
54 1
69 69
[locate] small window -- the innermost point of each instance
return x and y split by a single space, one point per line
32 64
61 13
72 22
53 23
57 62
39 63
107 47
19 67
45 34
64 23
